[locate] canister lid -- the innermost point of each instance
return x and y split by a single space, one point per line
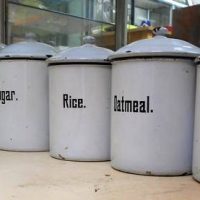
157 46
87 53
29 48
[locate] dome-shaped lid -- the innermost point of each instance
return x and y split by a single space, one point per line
28 49
83 54
157 46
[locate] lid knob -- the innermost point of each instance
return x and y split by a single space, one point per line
89 40
30 36
160 31
197 60
2 45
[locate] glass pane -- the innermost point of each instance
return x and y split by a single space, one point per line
196 1
54 28
141 14
181 1
159 16
156 12
102 10
75 7
147 15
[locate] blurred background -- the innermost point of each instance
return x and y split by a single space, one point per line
63 23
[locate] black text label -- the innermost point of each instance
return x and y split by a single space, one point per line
69 102
7 96
135 106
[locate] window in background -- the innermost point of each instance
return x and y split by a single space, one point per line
157 12
181 1
194 2
104 10
140 15
147 14
160 15
59 23
75 7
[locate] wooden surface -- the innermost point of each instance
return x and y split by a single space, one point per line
140 33
186 24
36 176
108 39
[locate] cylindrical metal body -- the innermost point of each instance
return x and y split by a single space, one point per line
24 96
80 111
79 94
152 115
196 147
153 92
23 105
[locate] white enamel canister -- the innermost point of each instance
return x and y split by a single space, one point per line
24 96
196 147
79 92
152 111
